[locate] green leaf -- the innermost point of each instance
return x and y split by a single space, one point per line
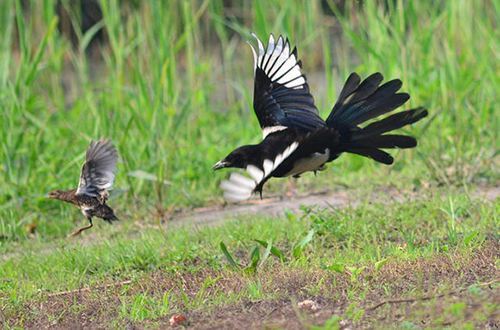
228 256
469 238
355 272
297 250
87 37
254 260
379 264
336 267
267 252
255 256
274 250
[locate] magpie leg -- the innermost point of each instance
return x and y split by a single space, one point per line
79 231
260 187
259 190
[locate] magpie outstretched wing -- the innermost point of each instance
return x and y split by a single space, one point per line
98 172
281 93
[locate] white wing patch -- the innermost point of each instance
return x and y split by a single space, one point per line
278 62
271 129
239 187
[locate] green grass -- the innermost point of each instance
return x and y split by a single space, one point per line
174 91
344 246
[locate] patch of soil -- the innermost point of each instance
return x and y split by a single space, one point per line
442 280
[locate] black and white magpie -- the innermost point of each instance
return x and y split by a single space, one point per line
296 139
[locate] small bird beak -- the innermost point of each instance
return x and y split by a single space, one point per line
219 165
50 195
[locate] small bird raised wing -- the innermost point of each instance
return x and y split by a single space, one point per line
98 172
281 93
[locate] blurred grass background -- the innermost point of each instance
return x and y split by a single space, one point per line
171 83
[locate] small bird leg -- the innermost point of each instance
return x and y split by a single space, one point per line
79 231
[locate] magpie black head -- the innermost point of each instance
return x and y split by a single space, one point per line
238 158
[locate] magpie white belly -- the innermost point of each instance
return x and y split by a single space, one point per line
313 163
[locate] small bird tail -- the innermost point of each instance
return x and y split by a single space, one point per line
112 218
361 101
105 212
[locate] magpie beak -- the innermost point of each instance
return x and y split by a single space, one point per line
220 164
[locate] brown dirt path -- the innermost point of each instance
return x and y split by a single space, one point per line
274 207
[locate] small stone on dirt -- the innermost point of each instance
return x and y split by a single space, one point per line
177 319
344 324
308 305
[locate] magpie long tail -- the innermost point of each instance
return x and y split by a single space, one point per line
361 101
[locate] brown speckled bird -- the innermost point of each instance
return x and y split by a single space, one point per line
98 174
